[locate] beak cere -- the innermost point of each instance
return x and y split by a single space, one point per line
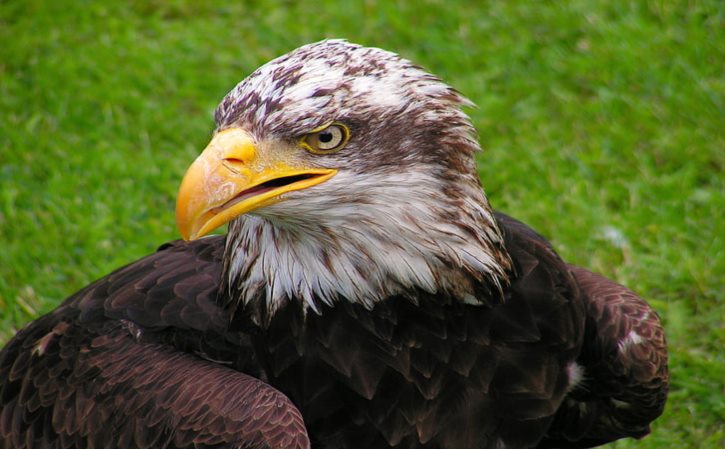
231 178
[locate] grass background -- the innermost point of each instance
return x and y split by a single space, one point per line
602 123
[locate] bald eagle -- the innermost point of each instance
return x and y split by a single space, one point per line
365 296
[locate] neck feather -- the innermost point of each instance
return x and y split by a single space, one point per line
387 240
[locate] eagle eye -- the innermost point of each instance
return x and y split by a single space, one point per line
326 139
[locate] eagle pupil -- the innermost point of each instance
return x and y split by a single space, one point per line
325 137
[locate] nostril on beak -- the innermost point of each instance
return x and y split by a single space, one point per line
233 165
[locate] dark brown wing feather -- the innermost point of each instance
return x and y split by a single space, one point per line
626 377
105 369
625 361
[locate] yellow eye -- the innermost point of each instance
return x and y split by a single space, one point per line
326 139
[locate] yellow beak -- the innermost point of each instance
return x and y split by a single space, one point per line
231 178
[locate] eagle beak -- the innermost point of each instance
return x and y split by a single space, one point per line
231 178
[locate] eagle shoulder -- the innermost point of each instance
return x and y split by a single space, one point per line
140 358
622 363
175 287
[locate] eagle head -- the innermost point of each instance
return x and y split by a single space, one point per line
346 173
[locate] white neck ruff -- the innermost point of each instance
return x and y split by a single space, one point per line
394 235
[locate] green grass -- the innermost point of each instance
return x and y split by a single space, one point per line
602 123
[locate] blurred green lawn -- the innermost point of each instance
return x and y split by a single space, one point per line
602 123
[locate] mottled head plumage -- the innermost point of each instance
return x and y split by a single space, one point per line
314 80
405 210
